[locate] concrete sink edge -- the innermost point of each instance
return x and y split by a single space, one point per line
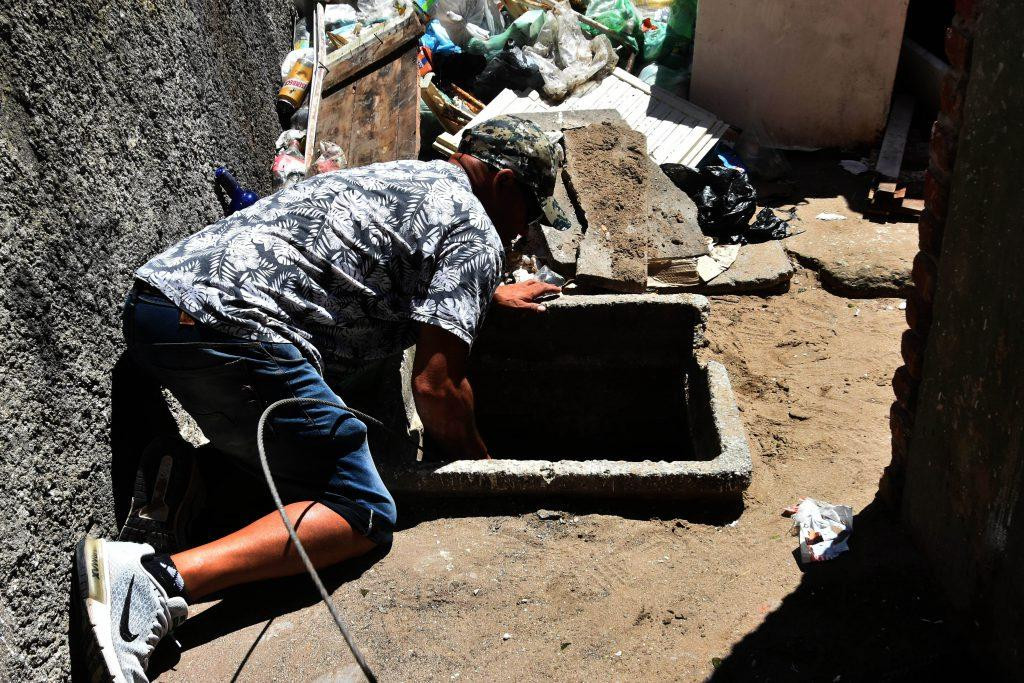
726 475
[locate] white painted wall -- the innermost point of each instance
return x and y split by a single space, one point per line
815 73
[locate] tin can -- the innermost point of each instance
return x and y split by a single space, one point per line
295 87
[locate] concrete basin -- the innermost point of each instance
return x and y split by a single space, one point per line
600 396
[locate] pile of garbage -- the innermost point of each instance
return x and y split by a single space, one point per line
474 49
471 50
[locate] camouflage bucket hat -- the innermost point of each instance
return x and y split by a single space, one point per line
521 146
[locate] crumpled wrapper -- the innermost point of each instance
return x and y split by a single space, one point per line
824 529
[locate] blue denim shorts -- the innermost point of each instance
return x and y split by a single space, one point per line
315 452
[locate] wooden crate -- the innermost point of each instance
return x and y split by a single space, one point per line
365 96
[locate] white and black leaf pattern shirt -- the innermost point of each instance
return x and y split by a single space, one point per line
343 264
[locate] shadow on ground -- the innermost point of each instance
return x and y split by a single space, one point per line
246 605
869 615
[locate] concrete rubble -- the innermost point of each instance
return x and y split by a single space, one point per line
609 182
608 174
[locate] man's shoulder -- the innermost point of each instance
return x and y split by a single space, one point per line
408 170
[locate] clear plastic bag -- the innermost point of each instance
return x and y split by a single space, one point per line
565 57
523 31
618 16
332 158
463 19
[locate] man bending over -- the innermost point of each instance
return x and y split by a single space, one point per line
357 265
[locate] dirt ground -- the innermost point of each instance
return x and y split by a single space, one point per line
489 591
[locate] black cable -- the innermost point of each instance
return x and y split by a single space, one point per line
367 671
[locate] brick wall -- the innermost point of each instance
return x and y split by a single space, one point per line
945 136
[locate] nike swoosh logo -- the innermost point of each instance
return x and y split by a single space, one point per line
126 632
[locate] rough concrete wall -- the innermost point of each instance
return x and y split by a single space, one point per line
112 118
965 467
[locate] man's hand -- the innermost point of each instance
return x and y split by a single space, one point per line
523 294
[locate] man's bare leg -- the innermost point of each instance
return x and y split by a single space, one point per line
263 550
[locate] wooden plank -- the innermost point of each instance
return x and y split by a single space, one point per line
376 117
316 85
890 155
369 48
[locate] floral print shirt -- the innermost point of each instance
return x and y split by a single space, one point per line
343 264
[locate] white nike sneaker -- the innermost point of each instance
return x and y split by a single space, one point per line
126 611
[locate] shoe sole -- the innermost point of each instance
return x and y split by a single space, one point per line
94 591
173 479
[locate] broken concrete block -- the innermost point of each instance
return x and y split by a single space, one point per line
608 176
558 248
758 268
677 241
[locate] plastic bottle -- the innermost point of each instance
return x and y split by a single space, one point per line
295 87
240 199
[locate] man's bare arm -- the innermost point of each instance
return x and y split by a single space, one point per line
443 396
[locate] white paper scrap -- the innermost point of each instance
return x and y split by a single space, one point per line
718 261
824 529
830 217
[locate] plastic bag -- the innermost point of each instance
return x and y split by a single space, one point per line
523 31
666 78
290 163
676 49
458 16
654 40
437 39
565 57
766 226
682 18
724 197
618 16
824 529
508 69
369 10
332 158
338 15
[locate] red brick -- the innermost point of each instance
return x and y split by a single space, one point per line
936 194
901 426
925 274
929 233
912 350
958 47
905 388
943 147
951 96
919 315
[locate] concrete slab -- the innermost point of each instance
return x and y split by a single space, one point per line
758 268
608 175
559 248
673 224
854 257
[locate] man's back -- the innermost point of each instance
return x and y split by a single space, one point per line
344 263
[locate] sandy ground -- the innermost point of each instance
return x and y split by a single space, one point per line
646 593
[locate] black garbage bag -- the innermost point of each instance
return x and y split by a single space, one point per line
724 197
459 68
766 226
509 69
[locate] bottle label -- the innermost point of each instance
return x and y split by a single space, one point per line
297 83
